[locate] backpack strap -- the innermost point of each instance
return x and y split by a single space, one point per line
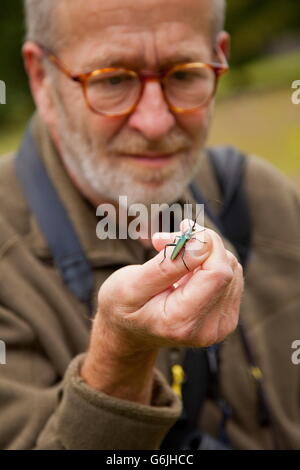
50 214
234 220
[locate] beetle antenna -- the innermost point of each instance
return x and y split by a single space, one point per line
188 214
194 225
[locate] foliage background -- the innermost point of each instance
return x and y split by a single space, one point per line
254 108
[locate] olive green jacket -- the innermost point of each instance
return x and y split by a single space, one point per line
44 403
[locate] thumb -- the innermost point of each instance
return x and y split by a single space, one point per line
160 273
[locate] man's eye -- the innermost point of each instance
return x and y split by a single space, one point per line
191 77
179 75
118 79
115 80
183 75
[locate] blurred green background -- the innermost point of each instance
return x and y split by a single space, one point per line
254 110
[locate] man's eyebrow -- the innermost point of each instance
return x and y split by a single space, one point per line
182 58
111 60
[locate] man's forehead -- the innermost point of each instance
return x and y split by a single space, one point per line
133 31
113 55
80 19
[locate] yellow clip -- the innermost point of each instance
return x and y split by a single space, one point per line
256 372
178 377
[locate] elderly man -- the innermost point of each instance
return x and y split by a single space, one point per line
124 93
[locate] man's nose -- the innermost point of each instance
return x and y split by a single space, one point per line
152 116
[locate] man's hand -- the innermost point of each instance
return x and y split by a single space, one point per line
145 307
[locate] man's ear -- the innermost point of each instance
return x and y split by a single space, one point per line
38 80
223 45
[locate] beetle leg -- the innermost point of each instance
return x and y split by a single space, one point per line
182 257
199 231
169 244
194 238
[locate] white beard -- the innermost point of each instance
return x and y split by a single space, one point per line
108 178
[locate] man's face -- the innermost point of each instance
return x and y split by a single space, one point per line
151 154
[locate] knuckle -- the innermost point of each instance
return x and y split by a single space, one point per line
226 274
222 276
232 258
234 262
239 274
215 236
123 289
240 269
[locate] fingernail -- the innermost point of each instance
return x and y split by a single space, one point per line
161 236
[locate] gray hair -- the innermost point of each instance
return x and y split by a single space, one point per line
219 16
42 25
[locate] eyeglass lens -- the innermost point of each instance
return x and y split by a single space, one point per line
116 91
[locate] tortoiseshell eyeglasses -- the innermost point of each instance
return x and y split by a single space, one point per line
115 91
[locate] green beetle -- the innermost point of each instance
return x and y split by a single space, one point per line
179 246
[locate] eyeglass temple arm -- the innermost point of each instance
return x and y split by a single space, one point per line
49 54
222 67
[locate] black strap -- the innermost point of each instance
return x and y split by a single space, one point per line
264 412
53 220
234 220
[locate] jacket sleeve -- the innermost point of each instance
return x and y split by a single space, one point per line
38 411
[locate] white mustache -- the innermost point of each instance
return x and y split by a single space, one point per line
136 145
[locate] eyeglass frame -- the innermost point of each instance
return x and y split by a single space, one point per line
218 68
